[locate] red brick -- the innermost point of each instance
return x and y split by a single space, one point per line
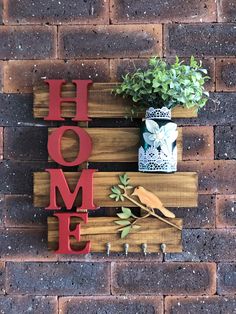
24 245
20 212
225 142
206 245
226 75
111 304
110 41
1 143
212 39
217 176
2 278
16 177
2 63
54 12
226 279
131 11
16 110
19 143
58 278
163 278
28 304
197 305
27 42
198 143
227 11
102 257
226 211
120 67
204 213
22 76
1 11
2 209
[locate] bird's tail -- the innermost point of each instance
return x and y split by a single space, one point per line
166 212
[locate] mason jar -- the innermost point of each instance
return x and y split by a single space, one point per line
158 134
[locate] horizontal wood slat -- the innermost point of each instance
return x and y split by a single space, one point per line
109 144
101 230
175 190
102 103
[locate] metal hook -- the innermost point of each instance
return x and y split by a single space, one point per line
108 247
126 247
163 247
144 249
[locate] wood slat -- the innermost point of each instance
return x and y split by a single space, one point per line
175 190
102 103
109 144
101 230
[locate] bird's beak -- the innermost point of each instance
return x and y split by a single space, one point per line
134 193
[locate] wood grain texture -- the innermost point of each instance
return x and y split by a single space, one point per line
175 190
101 230
109 144
102 103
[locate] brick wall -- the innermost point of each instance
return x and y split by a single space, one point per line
102 40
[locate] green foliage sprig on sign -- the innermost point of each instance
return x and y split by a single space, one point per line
167 85
128 221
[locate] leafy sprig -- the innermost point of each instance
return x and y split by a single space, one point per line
128 221
127 225
127 218
118 190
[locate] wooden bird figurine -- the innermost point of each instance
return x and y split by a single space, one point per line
152 201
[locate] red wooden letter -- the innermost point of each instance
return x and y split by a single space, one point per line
58 181
65 233
54 145
55 100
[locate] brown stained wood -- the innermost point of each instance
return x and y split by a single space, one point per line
101 230
109 144
102 103
175 190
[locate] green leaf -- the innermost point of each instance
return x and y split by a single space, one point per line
123 216
129 187
121 186
126 211
136 227
115 190
122 180
125 232
112 195
122 222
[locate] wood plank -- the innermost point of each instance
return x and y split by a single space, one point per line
109 144
101 230
175 190
102 103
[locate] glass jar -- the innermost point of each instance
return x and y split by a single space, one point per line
158 134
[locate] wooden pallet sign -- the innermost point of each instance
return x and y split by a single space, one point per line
71 232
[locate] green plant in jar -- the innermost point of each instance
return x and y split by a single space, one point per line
168 85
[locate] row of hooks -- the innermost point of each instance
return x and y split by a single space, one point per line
144 248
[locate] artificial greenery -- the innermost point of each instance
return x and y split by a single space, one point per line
128 221
167 85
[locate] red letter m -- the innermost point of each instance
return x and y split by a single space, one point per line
58 182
